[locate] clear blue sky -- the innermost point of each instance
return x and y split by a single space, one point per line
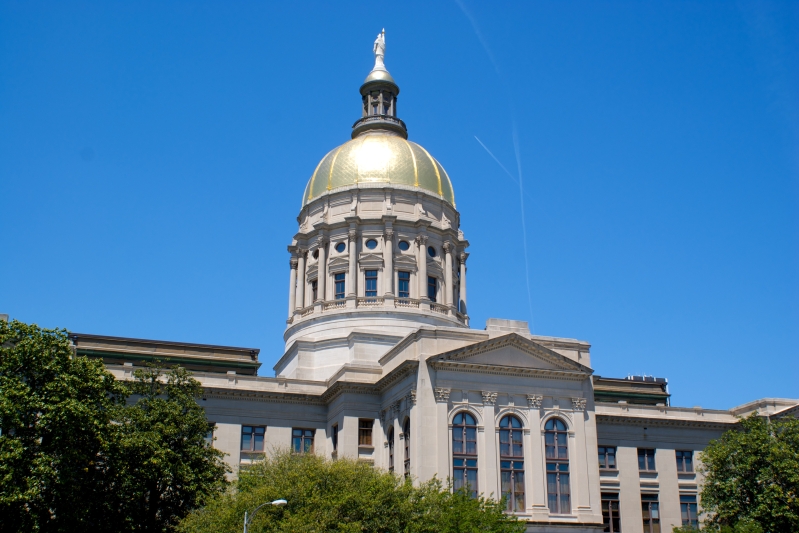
153 157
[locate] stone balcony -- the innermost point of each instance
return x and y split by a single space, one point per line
377 303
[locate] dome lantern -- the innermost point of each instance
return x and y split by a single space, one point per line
379 96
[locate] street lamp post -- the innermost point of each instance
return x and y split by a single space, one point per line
248 517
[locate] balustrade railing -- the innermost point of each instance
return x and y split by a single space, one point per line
335 304
406 302
370 301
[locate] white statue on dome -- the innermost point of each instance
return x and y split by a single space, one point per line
380 50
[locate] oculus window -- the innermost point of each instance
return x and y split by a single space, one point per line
340 247
404 246
371 244
431 251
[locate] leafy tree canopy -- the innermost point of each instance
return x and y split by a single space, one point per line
752 477
80 451
344 496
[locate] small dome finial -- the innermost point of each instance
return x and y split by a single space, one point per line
379 49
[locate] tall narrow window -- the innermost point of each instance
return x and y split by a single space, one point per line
610 513
651 513
371 284
685 461
365 431
511 462
391 449
607 457
464 453
432 288
406 433
314 291
556 440
252 438
302 440
646 459
339 280
404 285
334 437
688 510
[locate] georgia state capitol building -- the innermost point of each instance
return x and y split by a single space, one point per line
381 365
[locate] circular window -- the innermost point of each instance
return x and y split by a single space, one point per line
340 247
371 244
316 254
403 245
431 251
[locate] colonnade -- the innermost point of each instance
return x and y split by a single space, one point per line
298 268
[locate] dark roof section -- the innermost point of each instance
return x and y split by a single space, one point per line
633 390
195 357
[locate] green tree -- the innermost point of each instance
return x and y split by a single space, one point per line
752 477
80 451
344 496
55 413
162 463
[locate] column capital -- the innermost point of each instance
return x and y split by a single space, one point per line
388 234
442 394
534 401
352 235
421 239
489 397
447 246
293 262
463 256
321 240
578 404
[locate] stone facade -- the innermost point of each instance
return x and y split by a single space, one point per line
378 347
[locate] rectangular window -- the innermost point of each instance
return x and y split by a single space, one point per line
314 291
685 460
610 513
404 285
558 492
339 280
371 284
365 426
464 471
334 436
688 510
607 457
432 288
646 459
512 484
302 440
252 438
651 513
209 435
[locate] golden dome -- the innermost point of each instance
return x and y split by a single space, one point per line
379 158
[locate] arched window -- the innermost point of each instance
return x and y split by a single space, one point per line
556 440
391 449
464 453
511 462
406 433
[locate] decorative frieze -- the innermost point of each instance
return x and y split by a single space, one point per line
578 404
489 398
534 401
442 394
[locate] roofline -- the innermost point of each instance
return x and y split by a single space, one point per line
77 336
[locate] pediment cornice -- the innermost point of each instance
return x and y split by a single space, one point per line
513 340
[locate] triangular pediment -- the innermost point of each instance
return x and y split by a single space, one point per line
510 351
338 261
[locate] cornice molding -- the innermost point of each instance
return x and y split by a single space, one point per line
499 370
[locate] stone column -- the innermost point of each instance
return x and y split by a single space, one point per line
388 261
292 285
463 256
352 279
421 259
448 288
300 301
487 460
322 269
